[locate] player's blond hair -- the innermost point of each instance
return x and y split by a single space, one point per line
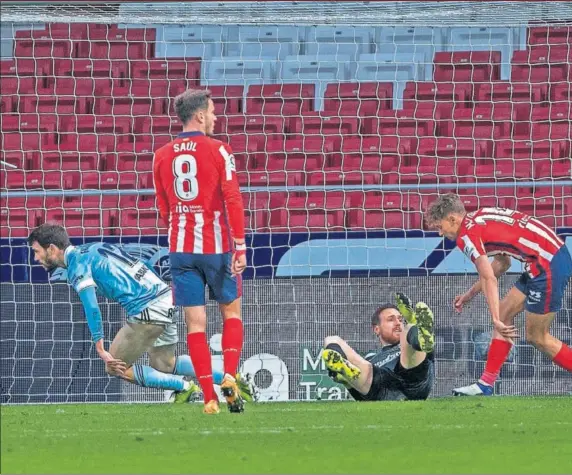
444 206
191 101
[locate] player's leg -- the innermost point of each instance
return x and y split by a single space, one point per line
510 306
134 339
189 292
341 359
226 289
418 336
547 294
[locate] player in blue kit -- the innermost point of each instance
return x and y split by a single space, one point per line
147 300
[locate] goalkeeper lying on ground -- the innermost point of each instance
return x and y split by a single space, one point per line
150 326
403 368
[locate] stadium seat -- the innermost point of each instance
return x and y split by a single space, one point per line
395 68
22 85
70 86
329 176
228 100
455 95
116 44
486 121
139 217
373 210
403 123
166 69
128 106
541 65
34 46
371 152
467 66
256 206
65 161
270 42
313 212
319 124
317 70
19 216
82 221
474 199
9 104
280 99
447 147
130 156
112 181
271 178
561 92
243 71
94 68
485 39
503 91
426 39
338 40
503 169
272 127
34 180
56 104
196 41
363 99
553 169
158 124
550 35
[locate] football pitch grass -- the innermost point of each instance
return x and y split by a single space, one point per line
452 435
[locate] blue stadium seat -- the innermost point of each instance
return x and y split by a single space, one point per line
338 40
266 41
487 39
319 70
220 72
198 41
395 68
421 37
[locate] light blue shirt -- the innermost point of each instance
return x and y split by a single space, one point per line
116 275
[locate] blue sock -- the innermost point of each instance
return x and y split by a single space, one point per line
151 378
184 367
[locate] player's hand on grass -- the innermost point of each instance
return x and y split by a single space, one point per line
460 301
239 259
508 331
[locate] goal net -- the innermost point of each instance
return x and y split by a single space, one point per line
345 119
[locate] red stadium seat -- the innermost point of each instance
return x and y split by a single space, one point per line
43 47
503 169
467 66
388 210
137 156
244 124
65 161
540 65
364 99
22 85
486 121
403 123
314 212
110 181
94 68
553 169
129 106
18 221
536 149
160 124
280 99
428 169
456 94
335 176
561 92
453 147
550 35
188 69
70 86
270 178
474 199
82 221
228 100
8 104
57 104
503 91
318 124
38 180
140 217
256 206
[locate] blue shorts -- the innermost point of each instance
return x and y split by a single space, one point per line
544 293
191 273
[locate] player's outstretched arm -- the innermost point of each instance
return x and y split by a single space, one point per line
92 311
490 289
500 265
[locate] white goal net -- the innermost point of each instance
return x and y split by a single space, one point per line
345 118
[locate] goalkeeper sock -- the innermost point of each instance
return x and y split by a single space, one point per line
151 378
184 367
564 357
232 338
498 353
201 358
336 347
413 338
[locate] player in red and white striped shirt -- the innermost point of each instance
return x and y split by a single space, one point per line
504 233
199 198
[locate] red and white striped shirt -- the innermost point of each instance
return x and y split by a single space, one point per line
491 231
198 194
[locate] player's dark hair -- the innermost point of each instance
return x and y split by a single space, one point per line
47 234
191 101
377 314
444 206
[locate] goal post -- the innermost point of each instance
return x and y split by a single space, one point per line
346 119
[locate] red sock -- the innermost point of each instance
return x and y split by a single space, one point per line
564 357
498 353
232 337
201 358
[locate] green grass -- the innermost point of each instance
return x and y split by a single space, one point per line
492 435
